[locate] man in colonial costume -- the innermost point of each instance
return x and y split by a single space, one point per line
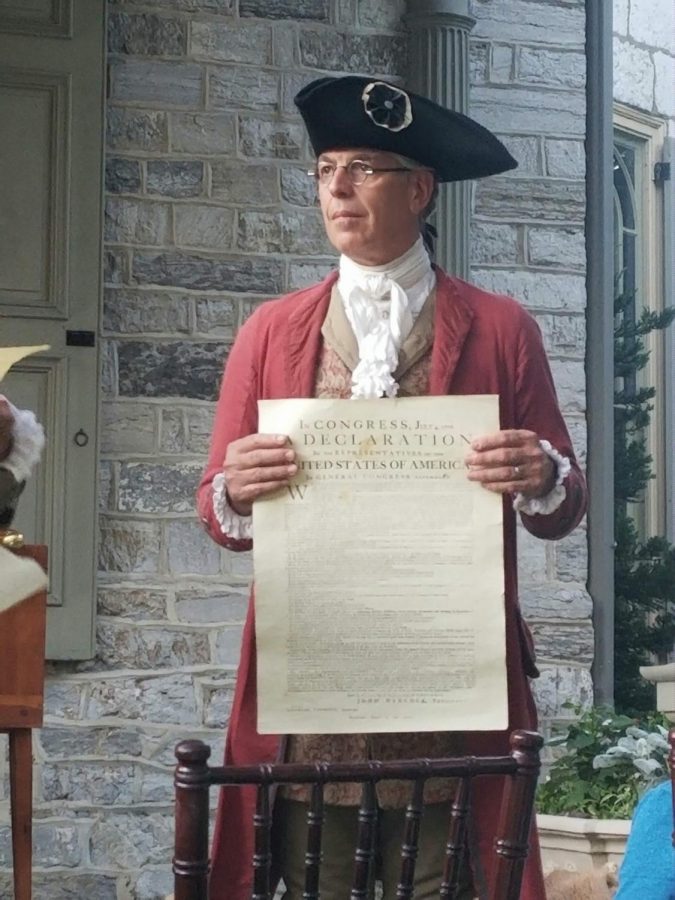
386 323
21 442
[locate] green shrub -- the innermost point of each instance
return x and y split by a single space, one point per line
609 761
644 566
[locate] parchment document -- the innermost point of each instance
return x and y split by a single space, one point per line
19 578
11 355
379 571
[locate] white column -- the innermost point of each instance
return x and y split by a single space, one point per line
439 69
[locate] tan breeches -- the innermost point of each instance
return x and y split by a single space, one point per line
339 841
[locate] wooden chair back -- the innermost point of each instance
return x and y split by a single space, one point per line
194 777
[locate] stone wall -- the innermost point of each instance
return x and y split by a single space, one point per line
527 240
644 56
208 213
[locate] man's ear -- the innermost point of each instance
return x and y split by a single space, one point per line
422 184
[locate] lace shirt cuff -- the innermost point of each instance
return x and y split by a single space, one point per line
28 439
547 504
240 528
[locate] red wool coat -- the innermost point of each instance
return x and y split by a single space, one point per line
483 344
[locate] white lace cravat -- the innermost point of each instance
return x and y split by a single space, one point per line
28 439
382 303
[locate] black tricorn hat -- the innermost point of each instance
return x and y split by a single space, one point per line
353 111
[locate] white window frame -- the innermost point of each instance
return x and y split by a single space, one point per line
648 134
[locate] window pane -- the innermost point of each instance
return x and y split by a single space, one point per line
624 182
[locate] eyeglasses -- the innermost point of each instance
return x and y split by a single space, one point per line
357 171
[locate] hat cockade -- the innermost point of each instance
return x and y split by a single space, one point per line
387 106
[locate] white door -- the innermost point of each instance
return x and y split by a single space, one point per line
51 159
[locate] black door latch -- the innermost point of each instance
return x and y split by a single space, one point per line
80 339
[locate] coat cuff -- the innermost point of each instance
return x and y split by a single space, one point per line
234 526
28 439
547 504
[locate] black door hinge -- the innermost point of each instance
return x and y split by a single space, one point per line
661 172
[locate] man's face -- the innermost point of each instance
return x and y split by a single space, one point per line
377 221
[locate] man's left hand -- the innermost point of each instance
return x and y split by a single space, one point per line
510 462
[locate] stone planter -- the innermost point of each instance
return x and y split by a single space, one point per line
581 844
664 678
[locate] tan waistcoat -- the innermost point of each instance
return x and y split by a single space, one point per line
339 356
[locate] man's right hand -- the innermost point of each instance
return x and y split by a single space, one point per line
6 429
256 465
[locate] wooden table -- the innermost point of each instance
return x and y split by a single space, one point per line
22 667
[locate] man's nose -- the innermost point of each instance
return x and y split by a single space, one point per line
340 183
